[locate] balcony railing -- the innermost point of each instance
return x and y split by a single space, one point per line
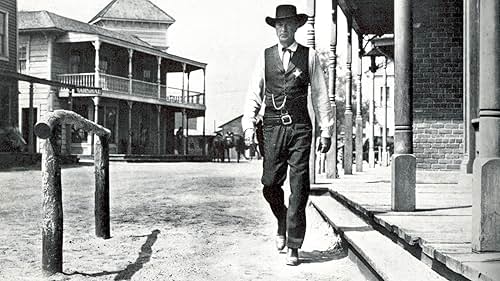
79 79
114 83
139 88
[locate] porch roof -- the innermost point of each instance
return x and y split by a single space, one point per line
370 16
47 21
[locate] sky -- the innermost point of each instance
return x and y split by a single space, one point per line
228 35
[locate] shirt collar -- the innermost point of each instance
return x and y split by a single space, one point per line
292 47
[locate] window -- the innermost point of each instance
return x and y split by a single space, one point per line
22 58
3 34
146 75
103 65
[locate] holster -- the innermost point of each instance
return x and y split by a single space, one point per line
259 134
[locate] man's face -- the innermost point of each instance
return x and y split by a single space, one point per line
285 30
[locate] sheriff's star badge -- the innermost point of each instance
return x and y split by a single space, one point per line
297 73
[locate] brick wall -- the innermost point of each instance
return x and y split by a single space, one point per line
437 80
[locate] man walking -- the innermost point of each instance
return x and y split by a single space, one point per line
278 97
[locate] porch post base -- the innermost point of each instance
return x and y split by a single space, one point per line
486 205
403 181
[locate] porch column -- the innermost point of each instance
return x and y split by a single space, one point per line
348 106
385 154
204 118
311 42
158 122
186 130
331 157
31 120
129 143
204 84
371 117
97 101
68 126
486 178
158 80
359 117
183 77
188 79
403 161
97 46
130 56
471 81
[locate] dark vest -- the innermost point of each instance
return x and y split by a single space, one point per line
292 83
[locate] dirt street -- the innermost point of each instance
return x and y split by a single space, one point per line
169 221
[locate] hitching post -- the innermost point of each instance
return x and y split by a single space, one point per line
49 128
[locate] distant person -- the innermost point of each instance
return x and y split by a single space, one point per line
280 86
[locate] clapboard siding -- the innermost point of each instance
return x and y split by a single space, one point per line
38 55
9 6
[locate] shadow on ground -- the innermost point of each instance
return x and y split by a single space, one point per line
126 274
323 256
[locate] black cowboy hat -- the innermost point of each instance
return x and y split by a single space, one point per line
287 12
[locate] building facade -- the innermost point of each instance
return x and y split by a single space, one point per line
8 64
134 101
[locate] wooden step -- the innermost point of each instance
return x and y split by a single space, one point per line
387 259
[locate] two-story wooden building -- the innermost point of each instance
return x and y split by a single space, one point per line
122 51
8 63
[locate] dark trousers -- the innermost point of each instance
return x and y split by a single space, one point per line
287 146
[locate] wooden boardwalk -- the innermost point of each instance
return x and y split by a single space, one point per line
440 227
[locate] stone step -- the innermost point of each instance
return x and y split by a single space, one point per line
387 259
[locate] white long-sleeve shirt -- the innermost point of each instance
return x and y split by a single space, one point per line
254 105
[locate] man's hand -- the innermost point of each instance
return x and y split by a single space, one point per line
324 145
249 136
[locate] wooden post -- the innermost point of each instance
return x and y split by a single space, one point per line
183 77
101 164
97 46
359 117
371 117
348 104
385 154
187 92
130 71
204 84
52 212
486 178
331 157
49 128
311 42
129 145
158 122
31 120
68 126
471 81
403 177
158 80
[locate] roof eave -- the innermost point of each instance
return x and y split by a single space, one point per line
131 20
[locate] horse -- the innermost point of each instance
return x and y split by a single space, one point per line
234 141
218 148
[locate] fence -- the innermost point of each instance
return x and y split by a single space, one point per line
49 128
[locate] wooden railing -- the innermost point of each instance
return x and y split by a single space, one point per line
146 89
79 79
139 88
114 83
49 129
